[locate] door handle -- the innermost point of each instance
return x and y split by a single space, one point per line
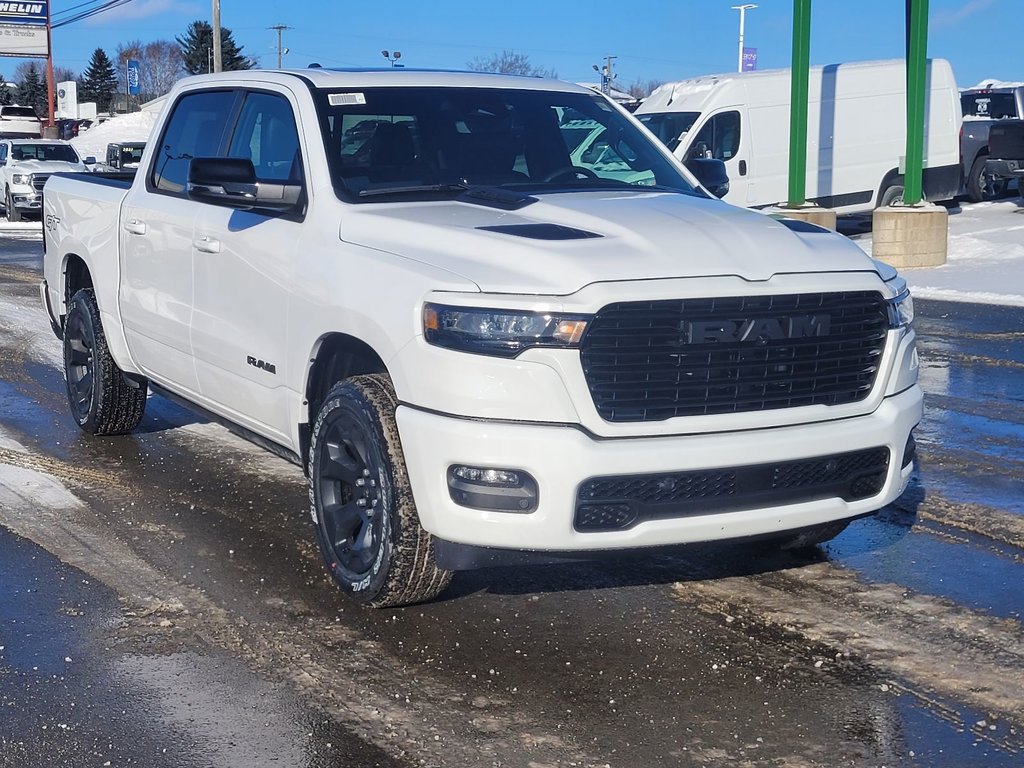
135 227
207 244
743 167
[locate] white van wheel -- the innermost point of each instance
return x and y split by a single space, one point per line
891 196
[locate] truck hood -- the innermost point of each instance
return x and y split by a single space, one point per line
45 166
586 237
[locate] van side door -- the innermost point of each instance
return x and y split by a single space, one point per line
721 137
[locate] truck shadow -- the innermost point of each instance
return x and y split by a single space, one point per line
693 562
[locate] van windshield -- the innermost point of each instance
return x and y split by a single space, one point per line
669 126
405 141
994 105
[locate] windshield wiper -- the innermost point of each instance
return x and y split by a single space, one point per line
495 197
454 187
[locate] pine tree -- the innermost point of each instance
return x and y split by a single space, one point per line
6 93
32 89
197 44
99 81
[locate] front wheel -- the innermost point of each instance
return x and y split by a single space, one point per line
13 214
366 520
102 400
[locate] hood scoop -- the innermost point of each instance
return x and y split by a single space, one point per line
542 231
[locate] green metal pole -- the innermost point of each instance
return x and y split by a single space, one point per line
917 84
798 103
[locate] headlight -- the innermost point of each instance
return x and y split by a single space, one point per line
21 178
500 332
901 310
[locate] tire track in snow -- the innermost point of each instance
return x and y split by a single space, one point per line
932 646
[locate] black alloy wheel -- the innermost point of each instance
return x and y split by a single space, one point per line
350 496
367 525
102 400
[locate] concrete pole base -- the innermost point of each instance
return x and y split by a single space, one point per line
823 217
911 236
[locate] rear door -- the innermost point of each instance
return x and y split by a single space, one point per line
244 265
157 226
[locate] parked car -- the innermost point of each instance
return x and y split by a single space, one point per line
856 132
17 122
981 108
25 165
479 351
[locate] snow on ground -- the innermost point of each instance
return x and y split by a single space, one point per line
986 256
133 127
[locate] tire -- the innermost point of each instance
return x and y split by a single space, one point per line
981 186
811 537
13 214
893 194
102 400
366 520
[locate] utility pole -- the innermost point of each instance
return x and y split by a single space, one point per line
606 74
218 63
49 70
800 75
281 50
743 17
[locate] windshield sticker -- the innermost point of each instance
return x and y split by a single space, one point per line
345 99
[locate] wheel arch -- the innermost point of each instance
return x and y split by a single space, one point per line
893 178
335 356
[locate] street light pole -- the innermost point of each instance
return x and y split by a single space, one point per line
743 17
217 61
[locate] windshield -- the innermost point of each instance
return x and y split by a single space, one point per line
59 152
431 140
28 112
669 126
994 105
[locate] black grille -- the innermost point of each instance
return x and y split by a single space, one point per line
39 181
655 360
614 503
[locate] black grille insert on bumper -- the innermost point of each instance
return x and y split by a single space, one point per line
656 360
616 503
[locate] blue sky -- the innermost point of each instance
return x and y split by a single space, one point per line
653 39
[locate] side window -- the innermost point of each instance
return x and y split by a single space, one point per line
3 154
266 134
720 136
195 129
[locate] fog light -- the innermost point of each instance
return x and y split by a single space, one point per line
502 490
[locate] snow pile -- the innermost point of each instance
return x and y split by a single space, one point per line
987 84
985 263
133 127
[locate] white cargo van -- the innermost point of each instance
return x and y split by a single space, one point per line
856 132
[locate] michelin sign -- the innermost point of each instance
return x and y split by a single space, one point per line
23 29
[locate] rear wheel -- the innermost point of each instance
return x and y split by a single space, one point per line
102 400
891 196
982 185
366 520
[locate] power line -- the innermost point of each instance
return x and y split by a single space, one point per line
97 7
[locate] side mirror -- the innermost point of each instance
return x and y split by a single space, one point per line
231 182
711 174
90 160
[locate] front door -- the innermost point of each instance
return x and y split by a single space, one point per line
720 137
244 267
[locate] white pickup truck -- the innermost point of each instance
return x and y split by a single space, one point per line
479 351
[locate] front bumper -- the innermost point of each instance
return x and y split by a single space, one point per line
27 200
561 458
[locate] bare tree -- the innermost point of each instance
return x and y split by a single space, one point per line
160 65
63 75
641 89
509 63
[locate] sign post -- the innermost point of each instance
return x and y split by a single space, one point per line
25 33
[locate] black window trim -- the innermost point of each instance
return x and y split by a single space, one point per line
230 126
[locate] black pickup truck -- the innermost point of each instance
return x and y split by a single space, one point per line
1006 152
